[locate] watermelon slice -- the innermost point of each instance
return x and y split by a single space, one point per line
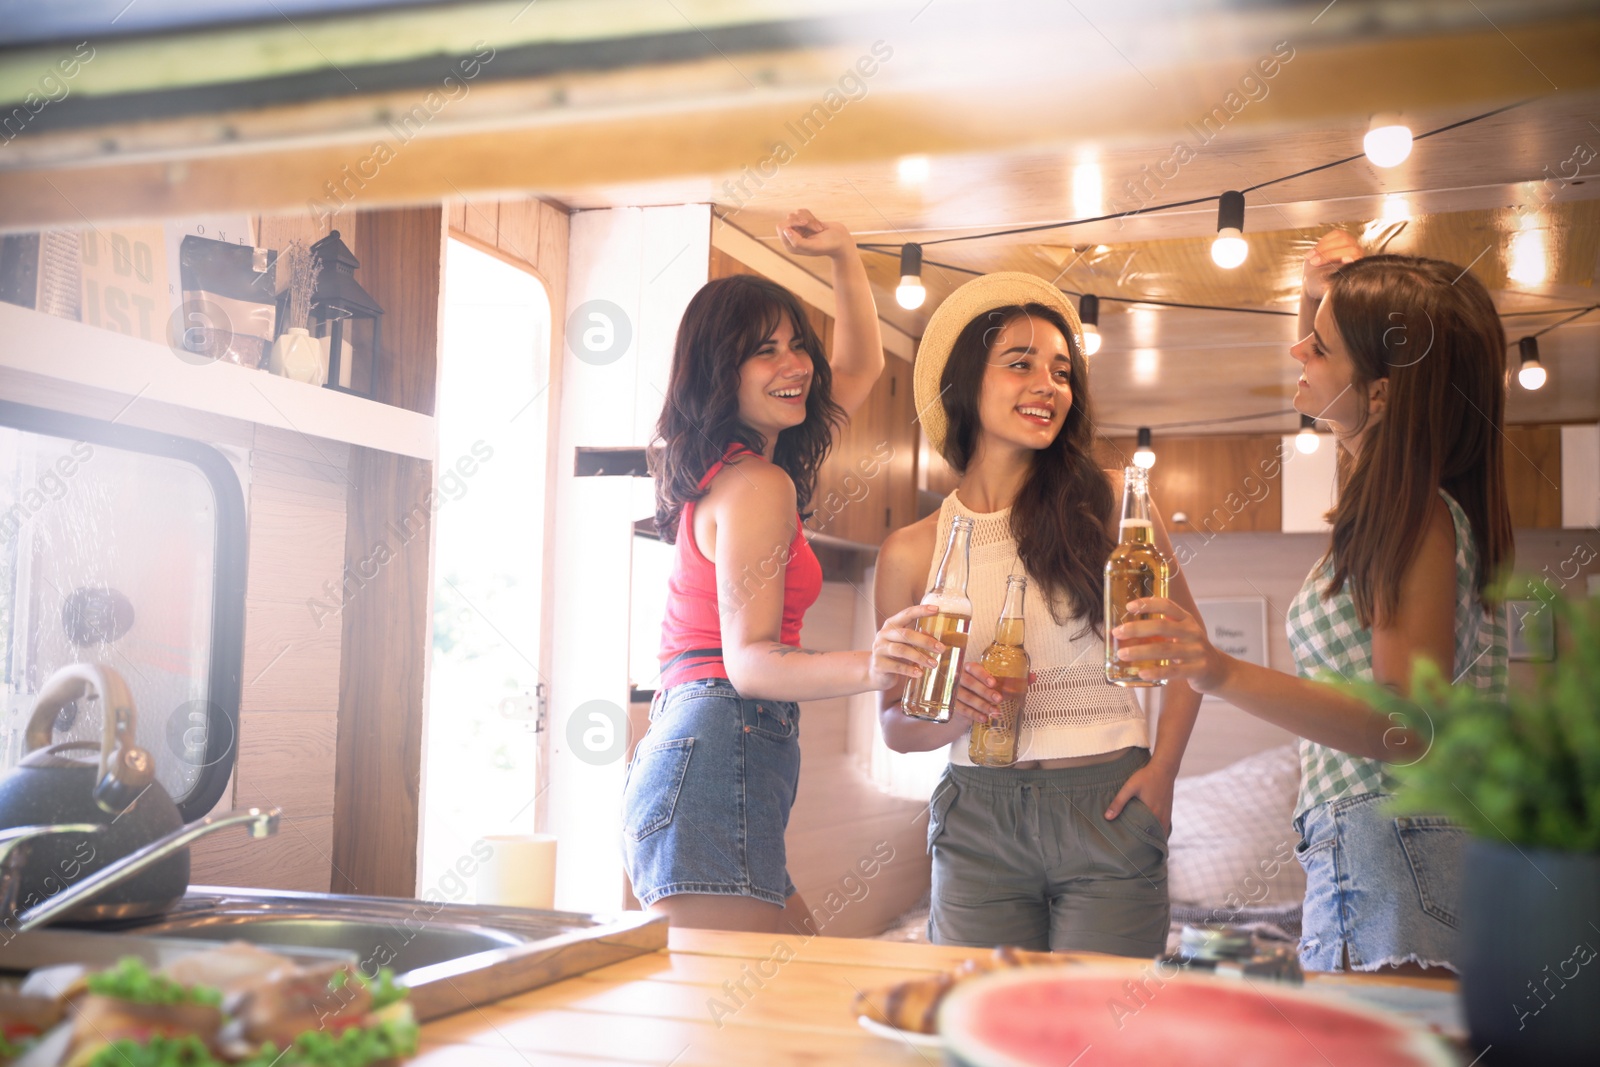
1099 1018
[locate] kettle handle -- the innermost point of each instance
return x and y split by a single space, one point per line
126 770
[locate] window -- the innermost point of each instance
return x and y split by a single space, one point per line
126 547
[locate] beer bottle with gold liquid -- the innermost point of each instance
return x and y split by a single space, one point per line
930 696
995 744
1137 569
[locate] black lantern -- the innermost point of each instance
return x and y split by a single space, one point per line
344 318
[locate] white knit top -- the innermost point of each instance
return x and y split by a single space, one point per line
1071 710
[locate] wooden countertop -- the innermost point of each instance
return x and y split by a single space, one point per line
679 1006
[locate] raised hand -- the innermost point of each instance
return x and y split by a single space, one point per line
804 234
1332 251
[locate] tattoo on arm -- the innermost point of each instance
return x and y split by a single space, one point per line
791 650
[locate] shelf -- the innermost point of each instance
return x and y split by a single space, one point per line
61 351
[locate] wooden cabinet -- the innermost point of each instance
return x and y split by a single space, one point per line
868 485
1223 484
1533 476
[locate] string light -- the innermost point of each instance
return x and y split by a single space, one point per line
1306 441
1229 249
1144 456
1388 141
910 294
1532 374
1089 315
913 170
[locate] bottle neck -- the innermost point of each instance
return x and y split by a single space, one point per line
952 577
1136 505
1008 631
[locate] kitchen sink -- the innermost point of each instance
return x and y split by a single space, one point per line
451 956
404 950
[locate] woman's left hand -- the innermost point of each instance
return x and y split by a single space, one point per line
1175 636
805 234
1151 785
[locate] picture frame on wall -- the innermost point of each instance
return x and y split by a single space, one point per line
1527 641
1237 626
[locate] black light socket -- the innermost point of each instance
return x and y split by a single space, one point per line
1144 437
910 259
1230 211
1308 423
1528 347
1089 309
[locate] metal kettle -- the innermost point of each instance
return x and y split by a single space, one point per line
118 792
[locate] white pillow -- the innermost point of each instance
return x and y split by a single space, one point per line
1233 839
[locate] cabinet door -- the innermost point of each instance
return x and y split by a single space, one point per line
1533 476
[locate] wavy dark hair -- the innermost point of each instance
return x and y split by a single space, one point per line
1432 330
724 324
1062 516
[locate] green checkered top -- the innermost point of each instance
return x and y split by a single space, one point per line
1327 640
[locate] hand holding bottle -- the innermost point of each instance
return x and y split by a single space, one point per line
1185 649
901 650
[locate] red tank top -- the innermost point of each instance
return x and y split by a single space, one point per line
691 632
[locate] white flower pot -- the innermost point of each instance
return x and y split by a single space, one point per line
297 355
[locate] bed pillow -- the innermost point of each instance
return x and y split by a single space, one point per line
1233 839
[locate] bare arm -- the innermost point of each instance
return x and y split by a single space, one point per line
857 359
753 505
1423 626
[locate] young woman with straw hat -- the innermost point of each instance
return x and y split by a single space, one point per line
751 406
1067 849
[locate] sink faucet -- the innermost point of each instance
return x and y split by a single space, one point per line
260 822
15 844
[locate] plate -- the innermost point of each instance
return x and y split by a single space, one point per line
916 1040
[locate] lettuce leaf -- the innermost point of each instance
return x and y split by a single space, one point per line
131 980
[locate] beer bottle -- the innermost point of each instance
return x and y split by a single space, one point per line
929 697
1136 569
996 745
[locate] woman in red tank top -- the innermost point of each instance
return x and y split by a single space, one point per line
751 410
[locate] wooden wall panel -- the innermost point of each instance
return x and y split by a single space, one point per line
1533 476
386 638
298 857
402 259
286 759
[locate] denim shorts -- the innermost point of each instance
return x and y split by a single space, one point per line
708 794
1027 859
1385 887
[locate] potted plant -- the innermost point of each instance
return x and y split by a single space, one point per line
1523 777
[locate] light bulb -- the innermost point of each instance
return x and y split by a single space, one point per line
913 170
1388 141
1229 249
1091 339
1144 456
910 294
1531 375
1306 441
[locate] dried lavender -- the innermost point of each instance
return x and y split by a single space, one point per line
302 268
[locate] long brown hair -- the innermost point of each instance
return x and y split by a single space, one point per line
1062 514
1431 329
724 324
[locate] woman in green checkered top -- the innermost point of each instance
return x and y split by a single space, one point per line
1405 359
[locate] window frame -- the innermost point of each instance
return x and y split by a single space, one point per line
228 574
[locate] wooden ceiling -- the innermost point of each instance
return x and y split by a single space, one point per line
1462 196
600 103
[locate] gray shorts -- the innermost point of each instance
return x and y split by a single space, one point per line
1027 858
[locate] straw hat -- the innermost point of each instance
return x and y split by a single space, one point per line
986 293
